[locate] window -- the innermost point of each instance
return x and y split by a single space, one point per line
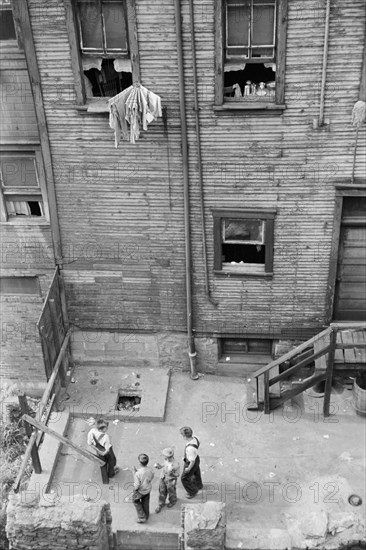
7 28
102 36
19 285
22 186
236 348
243 242
250 44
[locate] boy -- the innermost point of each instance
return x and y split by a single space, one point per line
191 476
142 479
100 441
170 471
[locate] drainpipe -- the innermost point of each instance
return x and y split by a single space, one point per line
199 157
187 236
325 63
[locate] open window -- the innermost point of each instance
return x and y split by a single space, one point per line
243 242
250 53
102 36
22 186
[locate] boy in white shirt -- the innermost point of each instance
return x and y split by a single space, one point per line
100 441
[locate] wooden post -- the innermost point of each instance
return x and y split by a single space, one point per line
57 339
267 408
329 372
36 463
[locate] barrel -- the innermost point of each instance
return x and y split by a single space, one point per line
359 395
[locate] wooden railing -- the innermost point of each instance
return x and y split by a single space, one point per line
32 447
302 356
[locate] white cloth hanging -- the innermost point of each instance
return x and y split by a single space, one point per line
129 110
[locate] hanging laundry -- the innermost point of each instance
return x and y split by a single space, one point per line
129 110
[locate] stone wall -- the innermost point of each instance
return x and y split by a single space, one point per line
63 525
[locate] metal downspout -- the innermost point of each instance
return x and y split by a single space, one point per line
199 157
192 351
325 63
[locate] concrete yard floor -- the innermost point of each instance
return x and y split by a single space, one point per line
261 465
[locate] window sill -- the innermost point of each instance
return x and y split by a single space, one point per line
95 106
23 222
257 108
225 273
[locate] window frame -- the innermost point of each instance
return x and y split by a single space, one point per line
76 52
266 214
23 192
280 60
237 357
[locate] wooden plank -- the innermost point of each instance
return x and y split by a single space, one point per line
321 360
76 64
133 40
219 53
359 337
281 52
267 408
78 448
299 388
36 463
349 354
49 387
293 352
339 354
329 372
21 15
300 365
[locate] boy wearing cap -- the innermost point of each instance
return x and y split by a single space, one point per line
100 441
170 471
142 479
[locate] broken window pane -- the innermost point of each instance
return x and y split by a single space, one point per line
23 207
18 171
243 231
115 26
243 253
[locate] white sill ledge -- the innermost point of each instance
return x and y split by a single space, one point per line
267 108
226 273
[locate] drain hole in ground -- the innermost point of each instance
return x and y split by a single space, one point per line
128 402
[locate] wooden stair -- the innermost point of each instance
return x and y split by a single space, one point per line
339 349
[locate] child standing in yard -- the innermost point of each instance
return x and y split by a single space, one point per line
170 471
142 488
100 441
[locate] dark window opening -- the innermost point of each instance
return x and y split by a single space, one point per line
249 80
243 253
35 208
237 347
108 82
7 29
19 285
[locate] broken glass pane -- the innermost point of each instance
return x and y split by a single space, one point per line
243 231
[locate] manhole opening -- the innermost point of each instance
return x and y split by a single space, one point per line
128 402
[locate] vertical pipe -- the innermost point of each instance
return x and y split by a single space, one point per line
199 157
325 62
187 235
